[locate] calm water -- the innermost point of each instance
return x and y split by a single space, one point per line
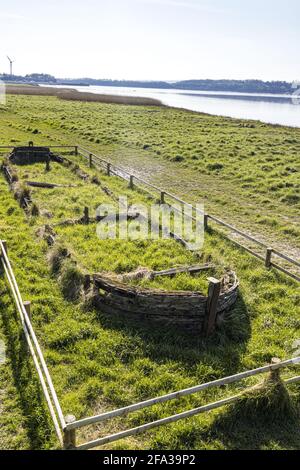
275 109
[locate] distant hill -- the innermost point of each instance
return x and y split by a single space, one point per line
240 86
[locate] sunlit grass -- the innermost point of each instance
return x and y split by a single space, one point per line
99 362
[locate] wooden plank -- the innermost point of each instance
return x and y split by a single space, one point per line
188 269
286 258
69 435
28 327
154 424
181 393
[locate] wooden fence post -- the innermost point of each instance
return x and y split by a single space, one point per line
48 164
131 182
269 258
70 436
275 374
86 217
76 150
162 197
214 290
205 222
91 160
108 169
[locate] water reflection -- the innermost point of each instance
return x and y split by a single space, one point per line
274 109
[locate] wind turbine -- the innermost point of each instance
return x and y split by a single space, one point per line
10 65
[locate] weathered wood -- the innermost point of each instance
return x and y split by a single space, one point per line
86 217
268 262
184 309
69 434
275 373
76 150
214 290
189 269
162 197
108 169
181 393
205 222
131 185
48 168
90 160
36 184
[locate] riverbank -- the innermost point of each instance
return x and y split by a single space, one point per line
74 95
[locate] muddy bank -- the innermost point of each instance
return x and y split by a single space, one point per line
74 95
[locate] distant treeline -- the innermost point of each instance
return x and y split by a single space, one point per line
241 86
32 78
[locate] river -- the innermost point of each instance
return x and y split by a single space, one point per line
268 108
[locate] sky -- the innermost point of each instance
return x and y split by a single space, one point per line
152 39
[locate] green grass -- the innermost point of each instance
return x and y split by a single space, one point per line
244 171
100 362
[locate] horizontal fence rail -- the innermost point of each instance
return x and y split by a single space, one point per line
111 168
277 366
34 347
181 393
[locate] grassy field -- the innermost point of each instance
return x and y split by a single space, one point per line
99 362
245 171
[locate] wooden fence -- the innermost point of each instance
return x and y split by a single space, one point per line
165 198
24 310
66 427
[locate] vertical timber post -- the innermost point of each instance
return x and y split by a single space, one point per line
269 258
90 160
214 290
108 169
131 182
205 222
48 164
162 197
70 435
275 373
76 150
86 217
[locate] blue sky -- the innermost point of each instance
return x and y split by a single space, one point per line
152 39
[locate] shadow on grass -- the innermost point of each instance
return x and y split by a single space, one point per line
35 412
237 432
265 417
164 342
